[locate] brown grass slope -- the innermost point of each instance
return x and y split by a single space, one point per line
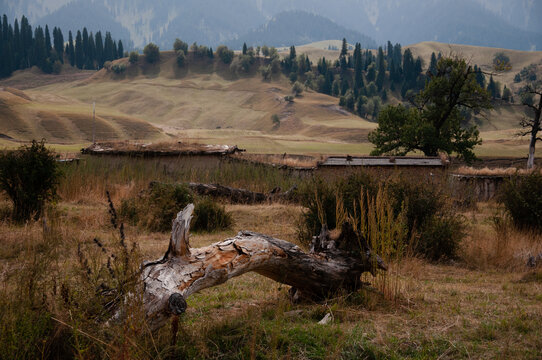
206 102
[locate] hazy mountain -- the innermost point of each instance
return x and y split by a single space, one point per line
511 24
298 28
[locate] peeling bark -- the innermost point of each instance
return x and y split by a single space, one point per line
331 265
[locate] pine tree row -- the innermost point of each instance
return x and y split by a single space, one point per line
21 48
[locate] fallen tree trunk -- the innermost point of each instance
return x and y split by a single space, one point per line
331 265
241 196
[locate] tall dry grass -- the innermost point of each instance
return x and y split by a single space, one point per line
88 180
498 245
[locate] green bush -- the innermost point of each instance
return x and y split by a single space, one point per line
210 216
156 208
134 57
432 223
152 53
118 68
180 58
522 199
225 54
179 45
29 176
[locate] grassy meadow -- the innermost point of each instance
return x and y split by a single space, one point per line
486 304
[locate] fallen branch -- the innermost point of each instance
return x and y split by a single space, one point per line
331 265
241 196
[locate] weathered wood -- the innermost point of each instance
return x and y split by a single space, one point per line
332 264
241 196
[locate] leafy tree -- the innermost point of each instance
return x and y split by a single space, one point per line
152 53
501 62
29 176
434 123
178 44
134 57
224 54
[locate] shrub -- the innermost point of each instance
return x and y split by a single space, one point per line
134 57
210 216
225 54
431 223
118 68
297 88
180 58
276 120
265 71
289 98
57 67
29 176
152 53
522 200
156 208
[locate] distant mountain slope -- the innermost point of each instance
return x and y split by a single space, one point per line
297 28
497 23
459 22
96 18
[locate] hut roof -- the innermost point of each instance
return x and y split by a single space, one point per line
383 161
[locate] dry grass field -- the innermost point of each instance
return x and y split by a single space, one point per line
485 305
203 101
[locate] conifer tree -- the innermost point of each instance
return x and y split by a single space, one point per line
71 49
48 45
344 48
26 42
433 65
108 47
120 50
86 50
381 77
16 45
39 48
58 41
91 55
79 52
244 48
389 55
99 44
115 50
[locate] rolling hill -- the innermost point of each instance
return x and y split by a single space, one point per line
205 102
